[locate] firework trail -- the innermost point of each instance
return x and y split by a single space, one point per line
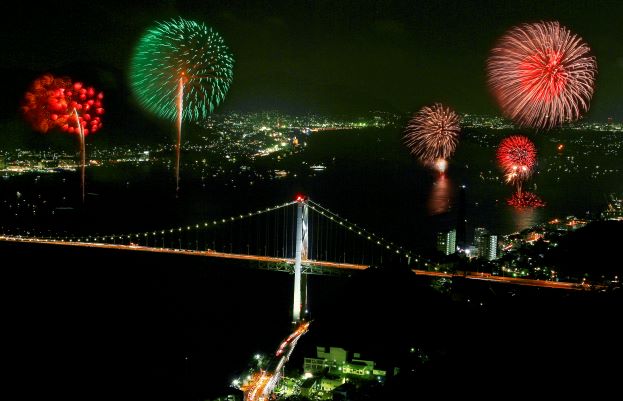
181 70
541 75
432 135
89 103
53 102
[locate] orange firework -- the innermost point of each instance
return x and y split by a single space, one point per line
432 135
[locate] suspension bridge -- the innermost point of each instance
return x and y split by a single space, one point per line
301 237
268 235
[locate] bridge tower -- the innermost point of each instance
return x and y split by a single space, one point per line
300 282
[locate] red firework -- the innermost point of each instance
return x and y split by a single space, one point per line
53 102
542 75
87 104
45 103
432 134
57 102
517 157
523 199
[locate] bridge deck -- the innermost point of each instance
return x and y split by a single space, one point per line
208 253
320 263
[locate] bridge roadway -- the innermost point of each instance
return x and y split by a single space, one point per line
262 385
209 253
336 265
508 280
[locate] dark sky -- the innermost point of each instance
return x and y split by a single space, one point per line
320 56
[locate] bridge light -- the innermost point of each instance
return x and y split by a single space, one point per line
300 198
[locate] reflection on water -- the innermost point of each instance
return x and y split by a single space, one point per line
526 217
441 195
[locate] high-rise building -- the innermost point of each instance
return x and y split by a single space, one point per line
479 234
446 242
488 248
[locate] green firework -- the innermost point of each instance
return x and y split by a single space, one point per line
183 50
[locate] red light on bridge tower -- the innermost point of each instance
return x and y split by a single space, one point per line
300 198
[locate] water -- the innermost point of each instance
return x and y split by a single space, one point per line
100 324
370 179
115 325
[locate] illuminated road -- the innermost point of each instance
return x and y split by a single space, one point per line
262 385
336 265
208 253
508 280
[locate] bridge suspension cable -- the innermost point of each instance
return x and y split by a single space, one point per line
179 229
268 232
373 238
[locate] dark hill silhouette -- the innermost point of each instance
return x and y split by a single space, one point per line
591 249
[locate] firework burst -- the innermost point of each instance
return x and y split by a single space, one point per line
181 70
53 102
524 199
516 156
45 103
183 51
432 135
542 75
84 104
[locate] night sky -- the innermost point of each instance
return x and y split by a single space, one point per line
334 57
135 327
